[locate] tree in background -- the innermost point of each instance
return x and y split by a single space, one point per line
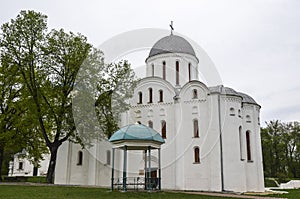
114 90
48 64
281 149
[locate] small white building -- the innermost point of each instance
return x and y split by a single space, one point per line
212 134
21 166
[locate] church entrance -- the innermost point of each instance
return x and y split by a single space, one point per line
152 180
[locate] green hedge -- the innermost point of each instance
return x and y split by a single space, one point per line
33 179
270 182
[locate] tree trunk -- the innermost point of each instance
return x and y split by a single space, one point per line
52 163
1 161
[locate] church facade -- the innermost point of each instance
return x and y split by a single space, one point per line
212 134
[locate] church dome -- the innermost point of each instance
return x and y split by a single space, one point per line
171 44
247 98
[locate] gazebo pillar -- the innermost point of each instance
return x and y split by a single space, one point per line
159 170
112 169
145 169
125 168
149 168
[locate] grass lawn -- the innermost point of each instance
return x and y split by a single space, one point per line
64 192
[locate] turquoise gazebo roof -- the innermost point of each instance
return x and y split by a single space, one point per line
136 132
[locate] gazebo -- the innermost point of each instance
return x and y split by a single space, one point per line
137 137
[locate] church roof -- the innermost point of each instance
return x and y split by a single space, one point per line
229 91
136 132
247 98
171 44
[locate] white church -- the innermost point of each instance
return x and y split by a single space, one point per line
212 134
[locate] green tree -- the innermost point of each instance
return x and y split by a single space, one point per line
101 94
281 149
48 64
9 94
115 89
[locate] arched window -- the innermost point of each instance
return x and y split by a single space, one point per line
164 70
108 157
241 143
196 128
177 72
189 71
150 95
140 98
239 113
79 158
163 129
161 96
231 111
248 140
152 70
150 124
195 94
196 155
248 119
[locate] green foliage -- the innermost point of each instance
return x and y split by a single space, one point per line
270 182
281 150
115 88
48 64
41 69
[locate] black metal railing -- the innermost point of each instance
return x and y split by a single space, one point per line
136 183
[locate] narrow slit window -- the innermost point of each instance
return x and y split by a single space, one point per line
161 96
196 128
140 94
241 143
152 70
163 129
195 94
189 68
150 95
231 111
164 70
197 155
248 140
177 72
79 158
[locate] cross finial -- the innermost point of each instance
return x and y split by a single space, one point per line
171 25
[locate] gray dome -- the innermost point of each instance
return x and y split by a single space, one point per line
171 44
247 98
223 90
229 91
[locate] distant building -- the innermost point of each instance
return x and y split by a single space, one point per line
21 166
212 134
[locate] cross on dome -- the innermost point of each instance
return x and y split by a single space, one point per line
172 28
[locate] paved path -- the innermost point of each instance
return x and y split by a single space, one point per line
231 195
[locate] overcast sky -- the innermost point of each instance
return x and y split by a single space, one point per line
255 45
